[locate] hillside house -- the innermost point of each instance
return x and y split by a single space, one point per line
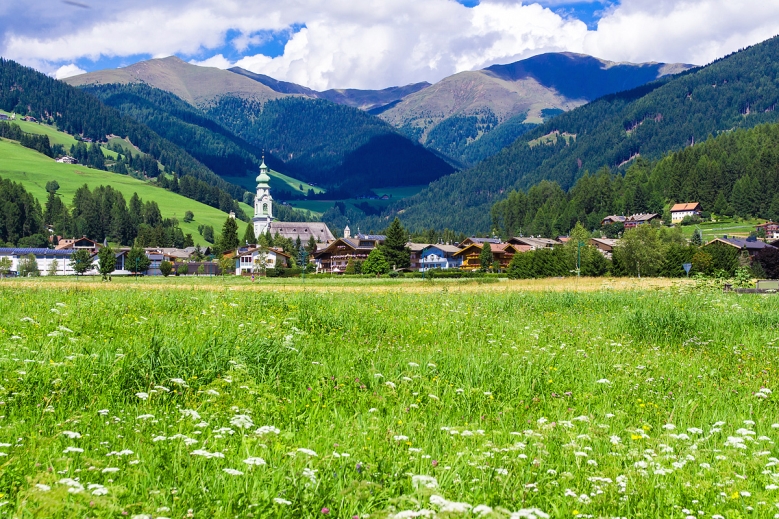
44 258
82 243
679 211
67 160
251 261
640 219
771 230
501 252
604 245
612 219
473 239
440 257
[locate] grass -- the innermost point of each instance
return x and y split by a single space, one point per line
222 398
33 170
55 136
731 227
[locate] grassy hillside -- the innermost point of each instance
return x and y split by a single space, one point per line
33 170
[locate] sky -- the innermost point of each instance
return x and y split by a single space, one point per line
372 43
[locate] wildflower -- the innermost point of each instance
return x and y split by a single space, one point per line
42 487
142 395
70 434
372 410
212 392
97 489
400 438
669 427
179 382
254 461
144 417
325 510
72 449
206 454
307 451
104 412
190 413
280 501
266 429
424 481
241 420
413 364
110 470
233 472
310 474
432 397
603 381
390 385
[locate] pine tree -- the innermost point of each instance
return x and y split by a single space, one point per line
229 238
248 237
485 256
394 247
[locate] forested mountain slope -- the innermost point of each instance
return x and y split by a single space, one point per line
738 91
28 92
336 146
453 115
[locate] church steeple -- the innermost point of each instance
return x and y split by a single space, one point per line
263 202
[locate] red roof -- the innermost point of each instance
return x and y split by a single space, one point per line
692 206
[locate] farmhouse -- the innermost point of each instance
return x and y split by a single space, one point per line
613 219
473 239
416 253
679 211
501 252
440 257
640 219
336 255
604 245
264 220
67 160
82 243
256 259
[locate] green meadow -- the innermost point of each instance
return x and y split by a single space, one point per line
197 398
34 170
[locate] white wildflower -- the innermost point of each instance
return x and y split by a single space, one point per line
241 420
233 472
254 461
71 434
424 481
307 451
266 429
142 395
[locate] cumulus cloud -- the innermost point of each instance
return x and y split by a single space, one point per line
378 43
68 71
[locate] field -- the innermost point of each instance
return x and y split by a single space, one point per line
711 230
214 398
33 170
55 136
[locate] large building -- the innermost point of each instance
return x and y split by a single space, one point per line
264 221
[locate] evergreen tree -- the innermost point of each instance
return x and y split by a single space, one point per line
311 246
229 238
248 235
485 256
350 267
394 247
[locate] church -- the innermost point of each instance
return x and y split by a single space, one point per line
263 216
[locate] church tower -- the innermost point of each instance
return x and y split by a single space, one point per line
263 202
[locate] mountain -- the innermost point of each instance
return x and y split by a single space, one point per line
195 85
28 92
738 91
369 100
458 111
337 146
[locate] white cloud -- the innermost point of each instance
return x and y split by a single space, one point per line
378 43
68 71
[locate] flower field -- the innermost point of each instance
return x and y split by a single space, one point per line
261 403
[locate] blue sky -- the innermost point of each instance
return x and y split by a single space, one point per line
372 43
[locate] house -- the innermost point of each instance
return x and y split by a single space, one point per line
679 211
82 243
604 245
533 243
749 245
251 261
440 257
336 255
416 254
501 252
473 239
771 230
4 117
44 257
640 219
612 219
67 160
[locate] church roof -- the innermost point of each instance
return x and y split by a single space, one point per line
263 177
305 230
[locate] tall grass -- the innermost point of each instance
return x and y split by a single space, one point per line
600 404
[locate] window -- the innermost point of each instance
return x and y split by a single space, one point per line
264 208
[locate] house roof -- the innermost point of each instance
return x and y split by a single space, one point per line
642 217
499 248
742 243
13 251
538 243
304 230
370 237
474 239
451 249
277 252
615 218
691 206
417 247
607 242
